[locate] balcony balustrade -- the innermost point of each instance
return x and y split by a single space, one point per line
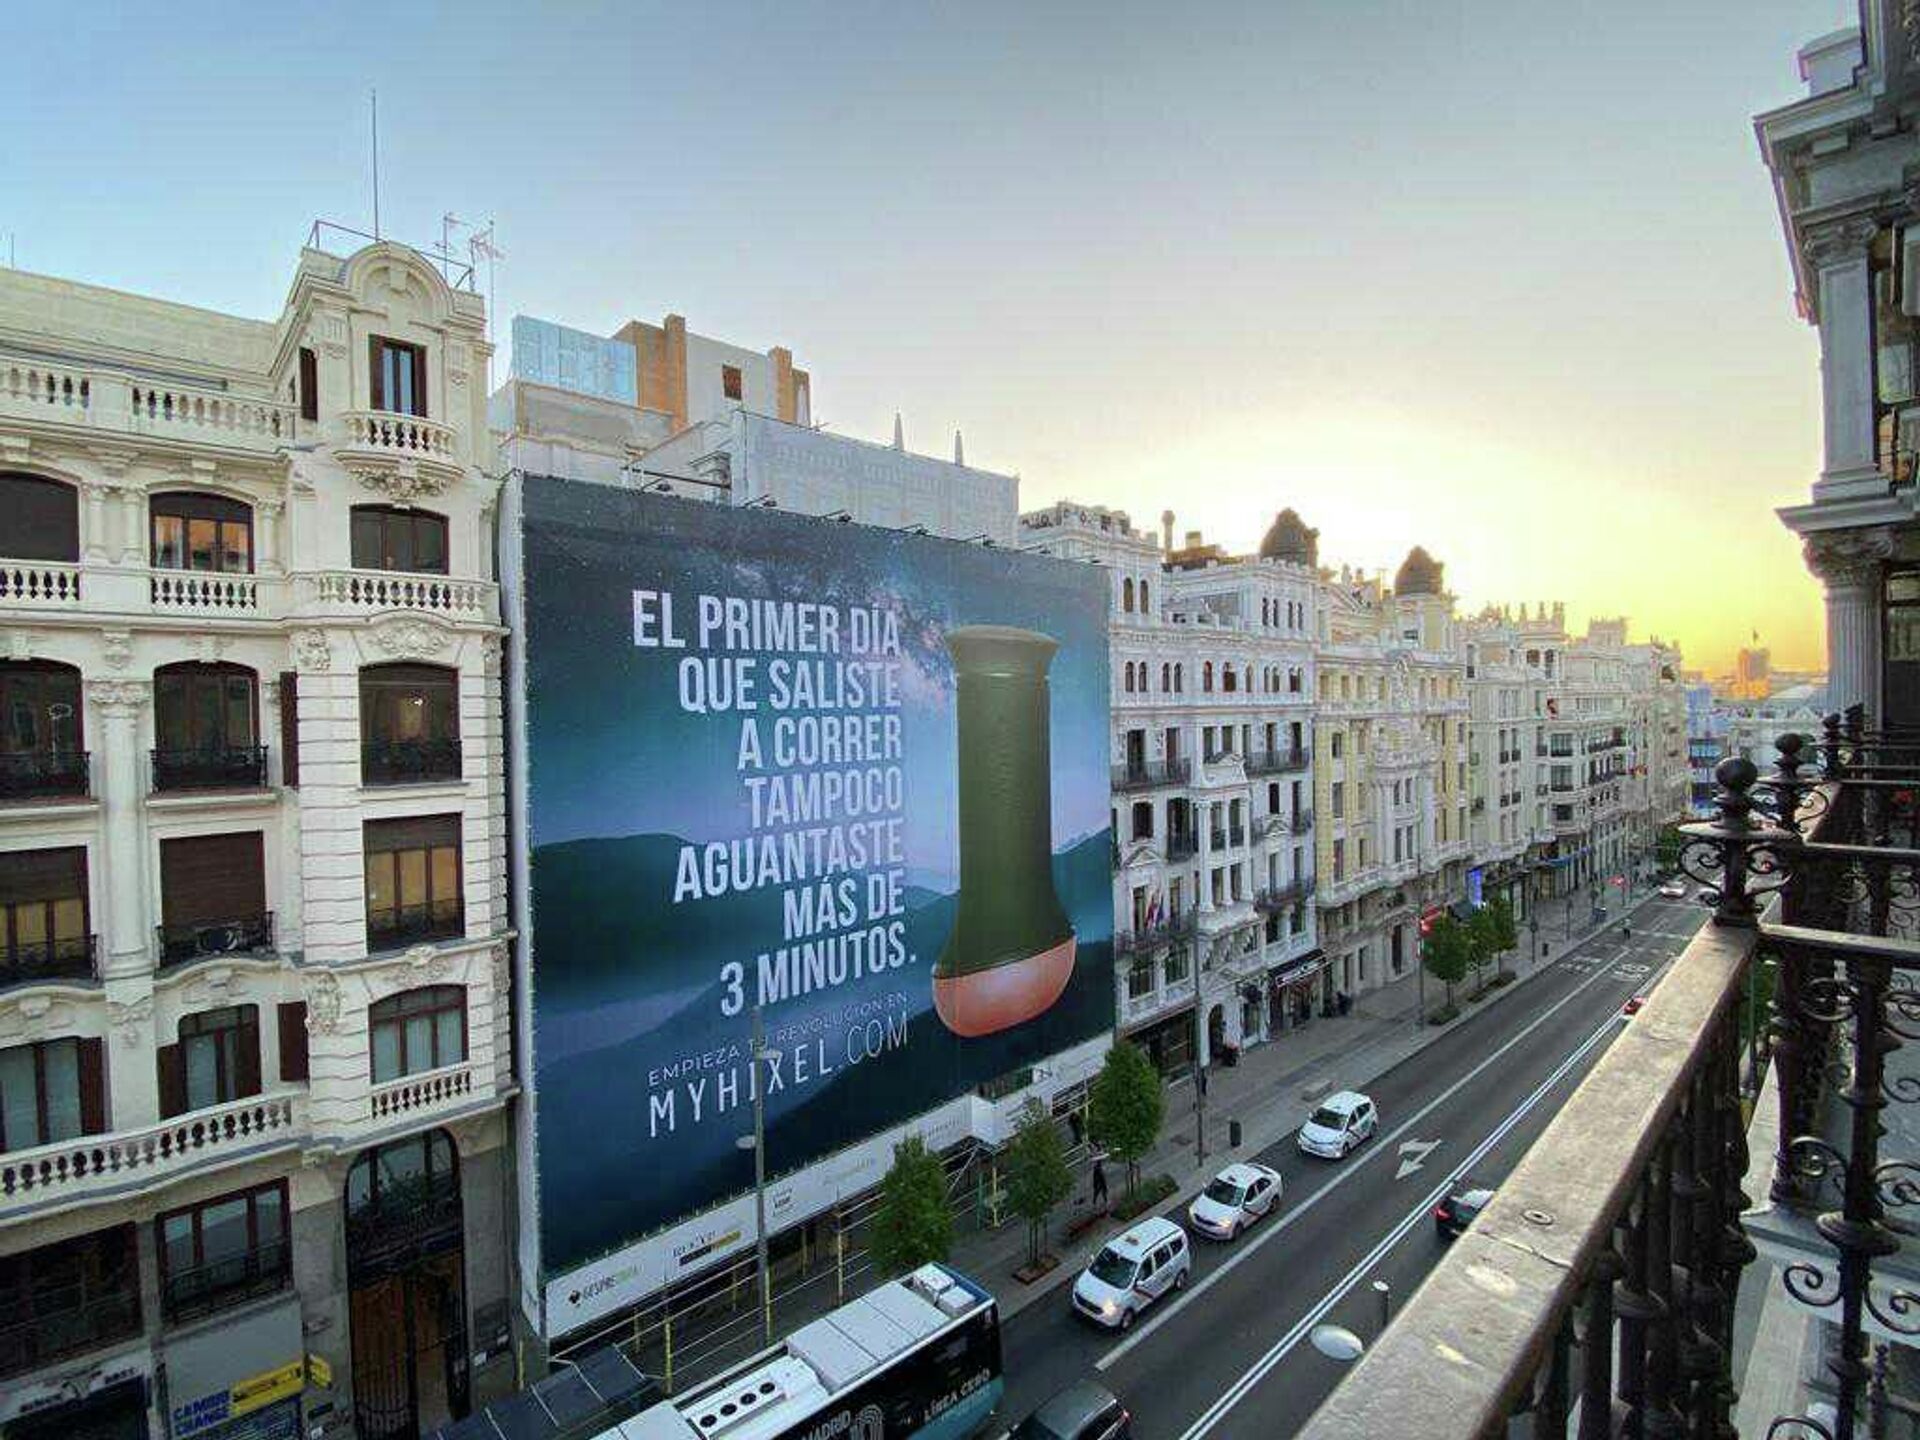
1597 1290
219 767
405 924
392 590
94 1167
43 774
409 762
193 940
34 962
1147 774
38 584
100 398
204 592
1276 762
401 436
1153 937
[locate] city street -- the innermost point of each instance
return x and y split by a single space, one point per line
1230 1357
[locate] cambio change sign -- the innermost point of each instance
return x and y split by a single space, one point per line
854 778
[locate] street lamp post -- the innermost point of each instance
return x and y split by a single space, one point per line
757 1142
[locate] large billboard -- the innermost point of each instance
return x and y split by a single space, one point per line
853 779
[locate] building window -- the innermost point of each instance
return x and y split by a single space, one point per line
39 519
1335 743
191 531
205 734
413 880
50 1090
40 748
1126 595
60 1299
1338 798
409 724
224 1251
399 373
1143 820
213 896
387 538
418 1030
1140 978
730 382
215 1060
1178 964
43 915
309 384
1206 676
1143 597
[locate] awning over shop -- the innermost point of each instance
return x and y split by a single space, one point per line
1301 968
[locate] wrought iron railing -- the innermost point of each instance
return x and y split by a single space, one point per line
42 774
1183 845
403 924
221 767
1148 938
27 962
263 1270
409 762
1276 762
187 940
1618 1241
69 1320
1145 774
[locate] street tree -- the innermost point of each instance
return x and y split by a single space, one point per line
1493 932
1447 952
912 1225
1126 1107
1037 1175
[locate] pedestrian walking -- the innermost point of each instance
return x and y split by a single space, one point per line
1099 1182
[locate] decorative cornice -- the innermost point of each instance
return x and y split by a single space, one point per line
129 1020
1839 241
408 639
323 1004
1849 558
311 651
117 697
399 482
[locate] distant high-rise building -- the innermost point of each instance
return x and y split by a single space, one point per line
1752 673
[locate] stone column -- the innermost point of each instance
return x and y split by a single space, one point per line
119 782
97 546
267 535
1203 836
1844 301
133 524
1850 564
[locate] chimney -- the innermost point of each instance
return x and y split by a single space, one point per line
1166 530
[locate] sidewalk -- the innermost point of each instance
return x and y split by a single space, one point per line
1270 1092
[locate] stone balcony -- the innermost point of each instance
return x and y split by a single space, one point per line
96 587
1140 1009
109 401
404 455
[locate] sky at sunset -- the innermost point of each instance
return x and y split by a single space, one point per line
1503 279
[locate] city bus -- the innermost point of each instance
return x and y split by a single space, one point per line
918 1357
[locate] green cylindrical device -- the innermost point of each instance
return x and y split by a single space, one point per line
1011 952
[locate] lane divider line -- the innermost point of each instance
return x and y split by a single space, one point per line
1379 1146
1258 1371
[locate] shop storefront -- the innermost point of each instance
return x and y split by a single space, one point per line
240 1378
1300 990
116 1410
1168 1042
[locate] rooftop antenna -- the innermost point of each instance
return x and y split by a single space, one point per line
373 97
449 222
480 243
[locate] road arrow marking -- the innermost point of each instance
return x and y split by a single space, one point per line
1418 1150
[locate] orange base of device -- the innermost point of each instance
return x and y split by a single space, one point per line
988 1001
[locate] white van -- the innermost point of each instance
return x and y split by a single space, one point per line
1135 1269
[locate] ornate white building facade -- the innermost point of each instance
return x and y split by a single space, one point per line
254 1039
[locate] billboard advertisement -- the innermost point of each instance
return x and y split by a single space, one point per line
850 779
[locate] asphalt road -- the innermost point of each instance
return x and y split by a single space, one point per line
1230 1357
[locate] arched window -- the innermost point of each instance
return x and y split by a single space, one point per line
388 538
1179 678
1293 682
409 723
1128 671
418 1030
1145 609
39 518
192 531
1229 679
1206 677
1166 677
1126 595
41 746
391 1180
205 727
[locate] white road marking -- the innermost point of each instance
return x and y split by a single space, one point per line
1258 1371
1252 1247
1413 1154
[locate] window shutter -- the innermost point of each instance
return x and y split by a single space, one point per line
247 1058
420 380
173 1080
93 1087
309 384
210 879
293 1040
290 728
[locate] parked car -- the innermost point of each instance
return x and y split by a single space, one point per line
1343 1120
1632 1007
1082 1411
1674 890
1135 1269
1236 1197
1458 1211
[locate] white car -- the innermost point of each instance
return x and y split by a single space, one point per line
1342 1122
1674 890
1238 1196
1135 1269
